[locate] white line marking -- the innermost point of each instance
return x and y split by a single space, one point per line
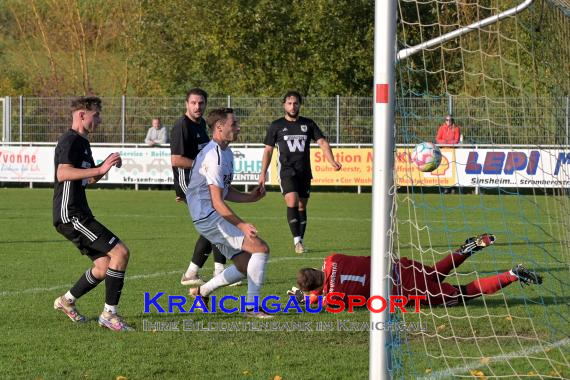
135 277
445 374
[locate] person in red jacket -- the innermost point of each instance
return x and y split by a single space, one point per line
351 275
448 132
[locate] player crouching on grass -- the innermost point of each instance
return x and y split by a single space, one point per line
72 217
210 186
351 275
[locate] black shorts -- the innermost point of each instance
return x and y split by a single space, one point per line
300 184
89 236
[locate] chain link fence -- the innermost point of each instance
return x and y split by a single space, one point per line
345 120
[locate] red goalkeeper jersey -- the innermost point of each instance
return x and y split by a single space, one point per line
346 274
351 275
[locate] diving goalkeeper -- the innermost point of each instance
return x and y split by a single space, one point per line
351 275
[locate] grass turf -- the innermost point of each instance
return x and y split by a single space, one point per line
39 265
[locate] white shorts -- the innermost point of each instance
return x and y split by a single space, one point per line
227 237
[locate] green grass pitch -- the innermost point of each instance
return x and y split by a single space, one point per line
39 264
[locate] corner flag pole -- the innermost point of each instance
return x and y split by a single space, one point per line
382 179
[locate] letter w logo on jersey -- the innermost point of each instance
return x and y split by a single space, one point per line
296 143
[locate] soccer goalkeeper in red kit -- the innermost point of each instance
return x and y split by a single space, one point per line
351 275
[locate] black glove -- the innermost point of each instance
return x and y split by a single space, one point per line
298 293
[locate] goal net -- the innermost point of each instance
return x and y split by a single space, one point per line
507 86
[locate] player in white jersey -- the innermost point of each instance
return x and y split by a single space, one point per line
210 186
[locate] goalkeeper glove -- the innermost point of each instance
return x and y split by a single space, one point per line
298 293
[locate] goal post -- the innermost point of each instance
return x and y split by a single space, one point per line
384 245
382 177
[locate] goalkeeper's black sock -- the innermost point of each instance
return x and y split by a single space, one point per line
202 250
294 221
303 220
85 284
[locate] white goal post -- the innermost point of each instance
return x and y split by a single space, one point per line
385 61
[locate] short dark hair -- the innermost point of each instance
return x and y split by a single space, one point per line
197 91
218 114
87 103
309 279
295 94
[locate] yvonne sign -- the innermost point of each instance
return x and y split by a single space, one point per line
26 164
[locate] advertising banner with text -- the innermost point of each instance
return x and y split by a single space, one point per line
140 165
26 164
408 174
462 166
514 167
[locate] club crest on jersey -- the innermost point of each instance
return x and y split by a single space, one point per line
304 128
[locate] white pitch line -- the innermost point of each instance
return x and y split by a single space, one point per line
313 217
160 274
134 277
445 374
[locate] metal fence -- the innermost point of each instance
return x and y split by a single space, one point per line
346 120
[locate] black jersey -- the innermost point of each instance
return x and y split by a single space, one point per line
69 198
293 139
187 139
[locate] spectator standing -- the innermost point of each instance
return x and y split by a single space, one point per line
448 132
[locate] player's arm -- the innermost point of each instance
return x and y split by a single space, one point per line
227 213
182 162
67 172
177 146
326 148
234 195
265 161
269 141
147 139
314 297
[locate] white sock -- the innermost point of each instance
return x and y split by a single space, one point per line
255 274
110 309
69 297
230 275
192 270
218 267
297 239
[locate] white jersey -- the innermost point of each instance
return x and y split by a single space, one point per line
212 166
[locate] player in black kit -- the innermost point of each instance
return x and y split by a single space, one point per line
293 134
72 217
187 137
